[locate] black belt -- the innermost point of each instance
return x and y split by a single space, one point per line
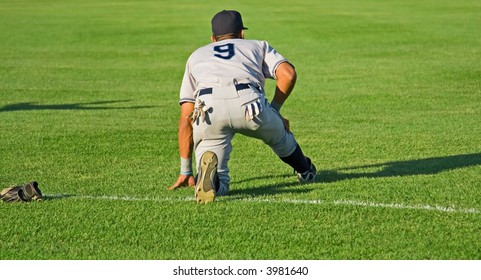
237 87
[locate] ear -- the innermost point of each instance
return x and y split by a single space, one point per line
212 38
242 34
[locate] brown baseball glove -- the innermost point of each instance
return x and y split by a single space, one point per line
23 193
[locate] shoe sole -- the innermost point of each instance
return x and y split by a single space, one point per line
204 190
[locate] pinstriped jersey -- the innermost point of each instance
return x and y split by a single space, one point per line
226 62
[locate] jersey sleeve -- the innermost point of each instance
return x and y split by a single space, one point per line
187 88
272 59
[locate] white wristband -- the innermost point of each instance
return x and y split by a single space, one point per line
186 166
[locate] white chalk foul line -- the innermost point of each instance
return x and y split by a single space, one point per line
438 208
372 204
411 207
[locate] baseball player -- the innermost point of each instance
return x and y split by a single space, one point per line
222 93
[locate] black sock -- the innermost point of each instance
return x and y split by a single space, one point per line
297 160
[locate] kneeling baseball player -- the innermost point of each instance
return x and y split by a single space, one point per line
222 93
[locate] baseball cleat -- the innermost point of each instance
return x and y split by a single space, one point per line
309 176
206 178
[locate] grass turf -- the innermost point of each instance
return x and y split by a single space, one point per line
386 105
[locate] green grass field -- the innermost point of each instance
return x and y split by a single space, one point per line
387 105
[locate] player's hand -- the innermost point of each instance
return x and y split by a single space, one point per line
183 181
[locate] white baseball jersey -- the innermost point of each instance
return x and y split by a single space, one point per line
217 64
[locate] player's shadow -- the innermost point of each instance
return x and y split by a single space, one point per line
426 166
270 189
98 105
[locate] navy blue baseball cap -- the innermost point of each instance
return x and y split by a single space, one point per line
226 22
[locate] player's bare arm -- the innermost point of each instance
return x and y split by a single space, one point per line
185 130
286 80
185 139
